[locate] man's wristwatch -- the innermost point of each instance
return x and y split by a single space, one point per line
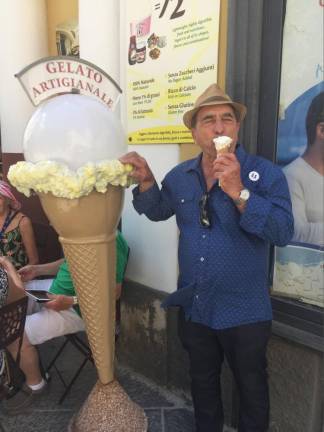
75 300
243 197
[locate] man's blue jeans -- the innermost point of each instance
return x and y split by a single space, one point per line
245 350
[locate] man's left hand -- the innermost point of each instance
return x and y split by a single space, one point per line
59 302
227 169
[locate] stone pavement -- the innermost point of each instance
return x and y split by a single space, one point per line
166 411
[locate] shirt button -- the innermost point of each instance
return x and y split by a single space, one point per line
197 297
202 259
204 236
182 200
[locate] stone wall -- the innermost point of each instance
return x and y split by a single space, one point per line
149 345
296 387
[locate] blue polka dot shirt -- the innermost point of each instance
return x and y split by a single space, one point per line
223 269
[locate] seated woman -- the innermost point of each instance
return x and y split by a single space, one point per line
17 239
57 317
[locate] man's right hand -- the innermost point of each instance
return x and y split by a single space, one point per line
141 173
28 272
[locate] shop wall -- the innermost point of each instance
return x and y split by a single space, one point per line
296 387
153 259
58 12
19 22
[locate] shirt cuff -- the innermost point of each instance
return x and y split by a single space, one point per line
255 215
142 201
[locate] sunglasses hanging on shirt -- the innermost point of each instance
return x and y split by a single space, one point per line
204 215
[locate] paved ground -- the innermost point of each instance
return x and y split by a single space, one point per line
166 411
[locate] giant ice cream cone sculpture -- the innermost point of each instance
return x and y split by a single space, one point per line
71 145
87 228
83 202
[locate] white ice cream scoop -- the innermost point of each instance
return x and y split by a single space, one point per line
222 144
73 129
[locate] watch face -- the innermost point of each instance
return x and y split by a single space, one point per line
245 194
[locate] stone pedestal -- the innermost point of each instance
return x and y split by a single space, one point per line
109 409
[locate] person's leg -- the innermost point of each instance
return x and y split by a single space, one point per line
206 359
41 326
245 349
29 361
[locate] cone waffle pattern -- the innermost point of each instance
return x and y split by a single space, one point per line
87 278
87 230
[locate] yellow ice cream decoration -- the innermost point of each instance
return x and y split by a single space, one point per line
50 176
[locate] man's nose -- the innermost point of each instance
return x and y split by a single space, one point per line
218 127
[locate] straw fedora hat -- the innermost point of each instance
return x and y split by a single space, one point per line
214 95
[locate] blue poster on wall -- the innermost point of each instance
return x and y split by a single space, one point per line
299 267
292 138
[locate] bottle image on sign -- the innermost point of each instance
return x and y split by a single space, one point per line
132 53
141 52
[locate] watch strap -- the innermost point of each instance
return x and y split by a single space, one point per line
240 200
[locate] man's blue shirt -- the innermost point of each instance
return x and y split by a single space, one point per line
223 270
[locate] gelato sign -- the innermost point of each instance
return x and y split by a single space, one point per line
52 76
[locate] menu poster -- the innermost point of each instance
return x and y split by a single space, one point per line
171 54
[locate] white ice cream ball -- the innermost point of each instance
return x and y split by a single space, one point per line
73 129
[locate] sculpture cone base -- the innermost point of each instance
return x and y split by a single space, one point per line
109 409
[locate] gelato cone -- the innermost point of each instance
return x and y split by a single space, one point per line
87 229
222 145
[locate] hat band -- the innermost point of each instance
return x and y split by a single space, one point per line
214 99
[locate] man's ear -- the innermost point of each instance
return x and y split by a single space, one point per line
320 130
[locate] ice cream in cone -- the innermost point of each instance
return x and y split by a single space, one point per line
222 145
87 230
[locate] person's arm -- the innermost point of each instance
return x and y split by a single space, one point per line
14 280
268 212
227 170
305 231
59 302
30 272
118 290
148 198
28 238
